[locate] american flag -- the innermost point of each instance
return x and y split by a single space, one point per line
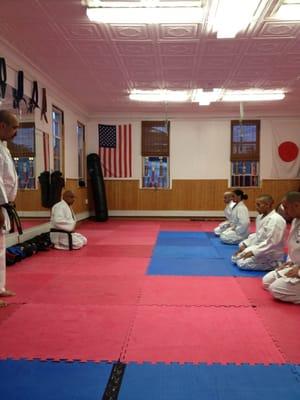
115 150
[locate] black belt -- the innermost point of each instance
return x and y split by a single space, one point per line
13 217
70 240
2 77
34 101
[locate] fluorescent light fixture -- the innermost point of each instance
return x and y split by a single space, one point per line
204 98
228 17
289 10
158 95
149 12
253 95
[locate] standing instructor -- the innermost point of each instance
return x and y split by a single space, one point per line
8 189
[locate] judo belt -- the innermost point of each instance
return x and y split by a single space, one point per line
53 230
44 105
2 77
34 101
115 381
13 217
18 94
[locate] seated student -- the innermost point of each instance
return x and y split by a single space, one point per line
264 249
284 282
63 217
238 228
227 211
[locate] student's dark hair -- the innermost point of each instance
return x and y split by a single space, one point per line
292 197
241 194
266 198
7 117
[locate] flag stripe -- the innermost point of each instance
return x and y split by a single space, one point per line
115 153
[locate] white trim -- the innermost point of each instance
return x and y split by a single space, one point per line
34 214
169 213
83 215
13 238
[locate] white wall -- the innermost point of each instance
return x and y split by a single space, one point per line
200 149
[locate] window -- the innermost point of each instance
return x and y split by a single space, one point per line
81 153
155 153
57 136
22 149
245 153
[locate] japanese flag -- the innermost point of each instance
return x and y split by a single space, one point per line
286 150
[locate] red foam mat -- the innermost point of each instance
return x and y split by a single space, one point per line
6 312
282 321
51 331
253 289
84 290
116 251
26 285
182 290
128 238
200 334
81 266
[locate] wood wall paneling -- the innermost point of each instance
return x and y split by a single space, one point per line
185 195
30 200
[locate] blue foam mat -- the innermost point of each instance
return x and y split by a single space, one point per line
184 234
186 251
48 380
184 241
209 382
189 266
194 254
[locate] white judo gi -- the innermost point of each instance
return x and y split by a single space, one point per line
266 244
225 224
8 192
63 217
279 285
239 226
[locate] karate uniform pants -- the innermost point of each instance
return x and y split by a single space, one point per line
2 262
281 288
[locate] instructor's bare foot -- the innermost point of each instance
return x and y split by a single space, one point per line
2 304
7 293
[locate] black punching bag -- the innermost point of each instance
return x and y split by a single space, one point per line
98 188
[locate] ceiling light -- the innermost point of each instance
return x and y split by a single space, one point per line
204 98
228 17
159 95
289 10
149 12
253 95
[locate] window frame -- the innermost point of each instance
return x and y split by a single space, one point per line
244 162
31 156
61 139
156 146
81 179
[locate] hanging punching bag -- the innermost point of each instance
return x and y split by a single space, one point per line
98 188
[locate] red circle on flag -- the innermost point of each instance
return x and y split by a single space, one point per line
288 151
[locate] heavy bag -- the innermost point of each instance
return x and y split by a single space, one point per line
44 180
98 188
57 182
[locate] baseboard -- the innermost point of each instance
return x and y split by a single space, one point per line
170 213
34 214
